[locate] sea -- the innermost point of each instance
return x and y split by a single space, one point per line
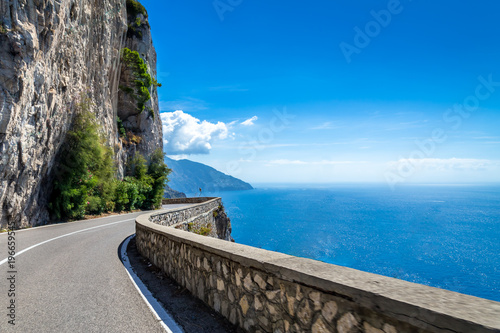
445 236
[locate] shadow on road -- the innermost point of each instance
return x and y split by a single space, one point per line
190 313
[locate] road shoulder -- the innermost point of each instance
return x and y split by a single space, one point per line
189 312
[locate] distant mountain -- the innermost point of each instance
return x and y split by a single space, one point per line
188 177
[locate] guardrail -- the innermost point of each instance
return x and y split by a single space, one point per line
261 290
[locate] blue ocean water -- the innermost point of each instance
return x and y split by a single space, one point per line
442 236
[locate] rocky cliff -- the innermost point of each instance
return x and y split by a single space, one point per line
53 53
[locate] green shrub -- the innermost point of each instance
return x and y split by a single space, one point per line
144 189
131 193
133 31
204 231
84 169
121 196
158 171
135 8
142 79
156 83
110 206
3 29
137 167
95 205
86 182
121 128
127 90
132 188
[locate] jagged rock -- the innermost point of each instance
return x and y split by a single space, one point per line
222 224
51 52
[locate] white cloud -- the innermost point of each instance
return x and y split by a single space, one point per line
178 157
438 164
185 134
250 122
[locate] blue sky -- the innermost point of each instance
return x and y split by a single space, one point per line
332 91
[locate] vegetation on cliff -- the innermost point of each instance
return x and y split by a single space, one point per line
142 79
121 128
200 230
134 28
86 180
135 8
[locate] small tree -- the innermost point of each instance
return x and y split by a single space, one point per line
137 167
138 175
85 171
158 171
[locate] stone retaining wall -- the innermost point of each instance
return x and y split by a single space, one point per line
206 216
265 291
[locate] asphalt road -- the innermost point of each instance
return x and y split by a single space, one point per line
70 279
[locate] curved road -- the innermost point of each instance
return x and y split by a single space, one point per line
71 279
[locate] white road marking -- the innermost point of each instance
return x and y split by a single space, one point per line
164 207
166 321
71 233
66 223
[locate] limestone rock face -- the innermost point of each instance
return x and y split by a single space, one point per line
145 124
53 52
223 225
